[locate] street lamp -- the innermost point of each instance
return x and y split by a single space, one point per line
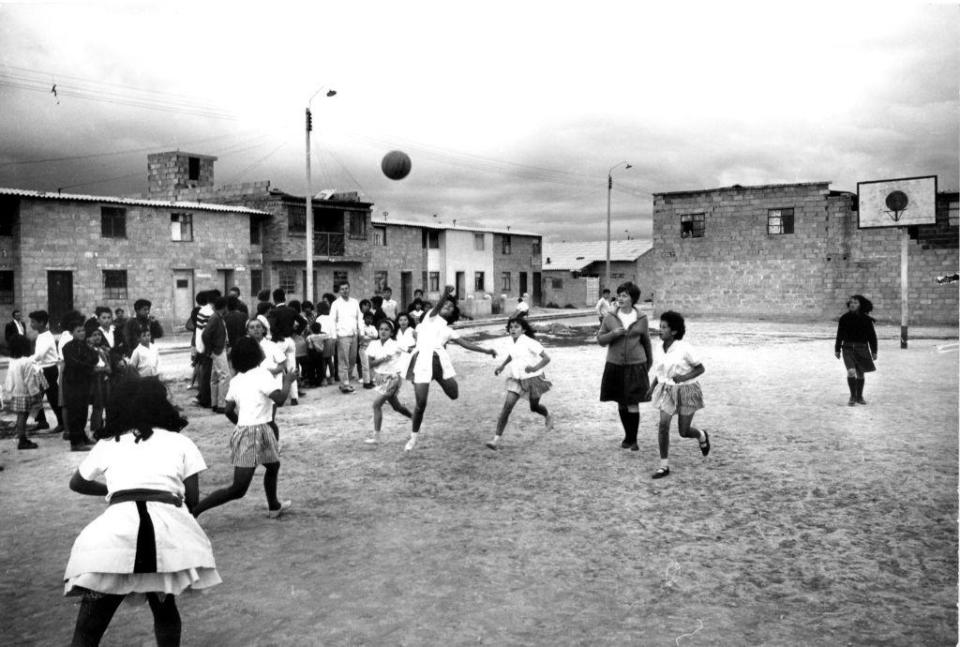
308 292
626 165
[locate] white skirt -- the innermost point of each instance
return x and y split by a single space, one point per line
103 554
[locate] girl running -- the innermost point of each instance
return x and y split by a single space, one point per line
430 360
676 389
527 360
625 333
274 361
388 362
253 392
146 543
857 342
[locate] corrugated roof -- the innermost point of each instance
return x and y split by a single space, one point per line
576 256
130 202
380 220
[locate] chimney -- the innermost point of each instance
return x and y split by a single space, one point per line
168 173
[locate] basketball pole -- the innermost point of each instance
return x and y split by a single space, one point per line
904 286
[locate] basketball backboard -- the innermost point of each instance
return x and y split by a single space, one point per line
897 203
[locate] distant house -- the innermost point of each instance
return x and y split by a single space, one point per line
64 251
573 272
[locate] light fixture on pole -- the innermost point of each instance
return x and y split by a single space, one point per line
626 165
308 288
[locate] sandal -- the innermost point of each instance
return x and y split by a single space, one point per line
705 445
661 472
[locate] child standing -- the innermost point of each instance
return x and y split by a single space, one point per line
253 392
23 388
146 543
368 333
318 365
100 386
527 359
145 357
857 343
676 389
387 361
79 364
406 335
430 361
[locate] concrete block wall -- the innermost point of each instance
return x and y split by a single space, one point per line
171 171
525 256
403 253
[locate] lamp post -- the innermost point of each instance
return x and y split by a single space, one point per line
308 291
626 165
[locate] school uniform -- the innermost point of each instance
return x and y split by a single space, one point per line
525 352
686 397
430 360
253 442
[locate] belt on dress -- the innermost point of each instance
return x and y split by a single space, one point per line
144 494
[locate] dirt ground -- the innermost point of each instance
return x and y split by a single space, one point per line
810 523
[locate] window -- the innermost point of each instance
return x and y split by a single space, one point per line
478 281
339 278
256 282
536 248
379 281
9 213
181 227
505 282
193 168
6 287
115 284
296 218
431 239
478 242
113 222
288 280
423 281
505 245
379 236
556 284
434 281
691 225
952 214
358 225
254 230
780 221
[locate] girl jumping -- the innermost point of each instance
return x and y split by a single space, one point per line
430 360
527 360
253 392
387 363
146 543
676 389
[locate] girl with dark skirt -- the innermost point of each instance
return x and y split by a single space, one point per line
857 344
625 333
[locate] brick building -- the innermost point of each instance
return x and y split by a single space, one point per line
574 272
62 251
794 250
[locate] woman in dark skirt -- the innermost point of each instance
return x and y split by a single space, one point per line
625 333
857 344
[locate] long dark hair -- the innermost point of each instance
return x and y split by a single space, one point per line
866 305
139 404
524 325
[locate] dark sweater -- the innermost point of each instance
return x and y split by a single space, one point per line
856 329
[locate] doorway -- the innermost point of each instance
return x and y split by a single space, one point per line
406 288
461 285
523 283
183 297
59 297
538 289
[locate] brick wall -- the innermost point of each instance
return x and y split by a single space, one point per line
403 253
738 269
524 257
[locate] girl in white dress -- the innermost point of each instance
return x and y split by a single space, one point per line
527 359
430 361
406 334
388 362
146 543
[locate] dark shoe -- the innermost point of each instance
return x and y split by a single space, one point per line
625 445
634 447
369 385
26 443
705 445
851 402
89 441
82 447
56 430
42 426
65 435
861 401
294 402
347 389
219 410
661 472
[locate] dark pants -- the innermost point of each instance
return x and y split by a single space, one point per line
52 373
205 362
97 609
76 400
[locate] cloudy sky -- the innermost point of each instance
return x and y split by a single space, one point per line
513 113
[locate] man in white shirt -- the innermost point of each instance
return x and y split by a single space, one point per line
522 307
45 354
603 307
347 321
389 306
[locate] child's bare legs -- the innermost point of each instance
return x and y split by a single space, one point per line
378 413
270 484
398 406
420 393
242 476
663 437
508 403
687 431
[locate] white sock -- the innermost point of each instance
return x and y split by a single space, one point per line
496 439
665 463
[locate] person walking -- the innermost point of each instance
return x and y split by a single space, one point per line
857 343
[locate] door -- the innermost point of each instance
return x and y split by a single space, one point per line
461 285
538 289
225 280
59 297
406 288
523 283
182 297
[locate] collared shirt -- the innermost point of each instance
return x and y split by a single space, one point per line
108 335
346 315
45 352
679 359
389 308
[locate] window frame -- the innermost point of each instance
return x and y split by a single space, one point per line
379 235
479 281
114 292
9 215
479 242
110 216
434 278
287 279
7 295
506 282
357 225
189 226
506 245
431 239
256 281
779 222
693 220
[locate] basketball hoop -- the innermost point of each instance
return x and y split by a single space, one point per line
896 203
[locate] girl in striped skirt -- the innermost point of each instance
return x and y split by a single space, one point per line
253 392
676 389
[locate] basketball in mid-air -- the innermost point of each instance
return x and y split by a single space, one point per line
396 165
